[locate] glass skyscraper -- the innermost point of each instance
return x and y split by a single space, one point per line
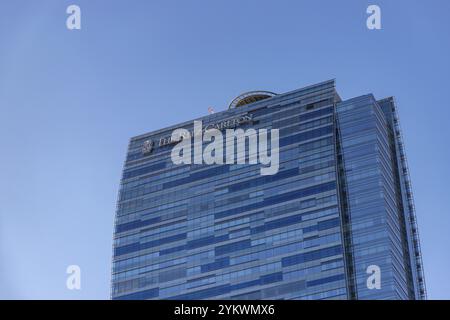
340 202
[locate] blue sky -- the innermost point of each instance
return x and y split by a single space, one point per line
70 100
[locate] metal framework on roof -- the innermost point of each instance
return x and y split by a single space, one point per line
250 97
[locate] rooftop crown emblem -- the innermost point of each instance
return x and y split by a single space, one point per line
147 147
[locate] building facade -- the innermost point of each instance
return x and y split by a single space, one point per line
340 204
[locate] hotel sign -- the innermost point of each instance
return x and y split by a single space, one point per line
148 145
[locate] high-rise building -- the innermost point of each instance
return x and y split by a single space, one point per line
338 213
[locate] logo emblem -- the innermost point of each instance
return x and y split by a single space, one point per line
147 147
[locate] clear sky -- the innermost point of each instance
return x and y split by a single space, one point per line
70 100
